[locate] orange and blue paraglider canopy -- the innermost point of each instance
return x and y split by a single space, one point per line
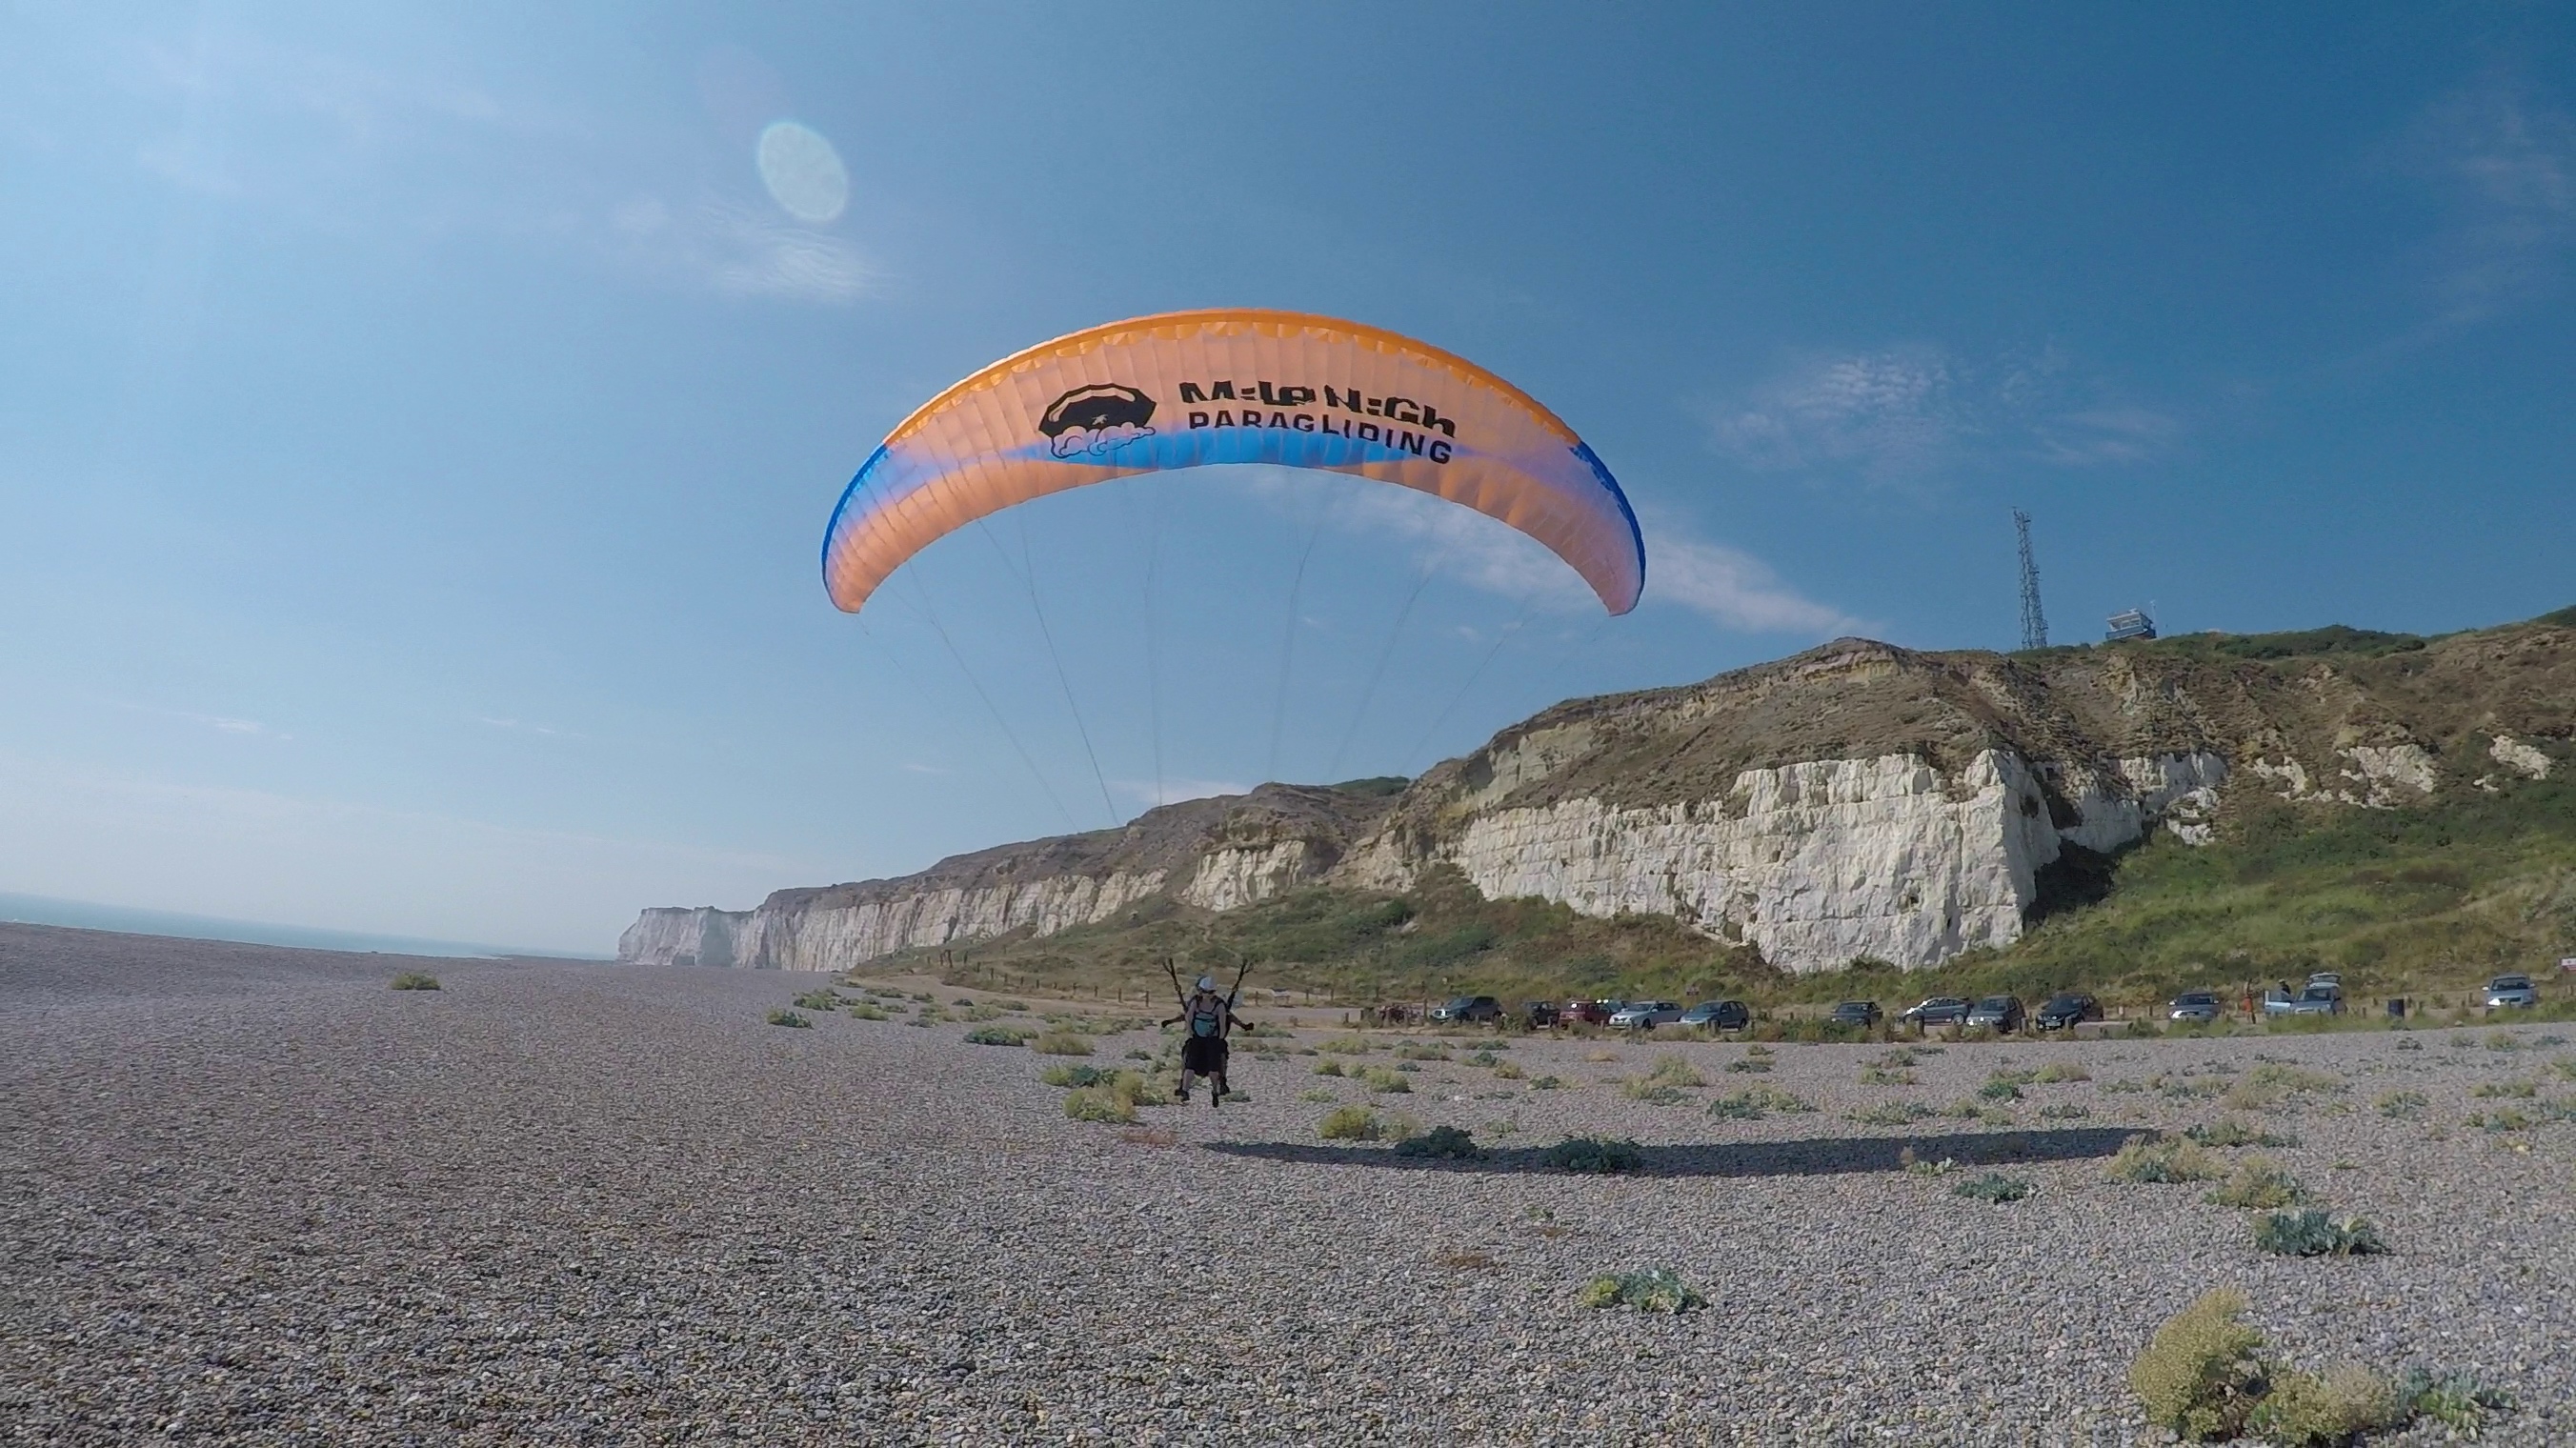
1191 389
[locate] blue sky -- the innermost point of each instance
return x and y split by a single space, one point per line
417 428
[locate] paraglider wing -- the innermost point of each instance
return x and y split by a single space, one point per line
1189 389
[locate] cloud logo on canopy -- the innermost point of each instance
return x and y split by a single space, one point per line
1098 419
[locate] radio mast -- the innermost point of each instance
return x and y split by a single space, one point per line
2034 624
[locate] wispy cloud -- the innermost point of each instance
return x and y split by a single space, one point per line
1734 589
1889 414
1730 587
741 252
1907 415
2505 166
521 726
229 725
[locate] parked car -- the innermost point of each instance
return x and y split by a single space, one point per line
2065 1008
1541 1014
2316 999
2511 990
1646 1015
2194 1005
1718 1016
1591 1013
1999 1013
1939 1011
1469 1008
1856 1013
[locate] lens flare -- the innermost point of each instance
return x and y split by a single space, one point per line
803 173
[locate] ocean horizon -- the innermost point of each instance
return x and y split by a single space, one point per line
88 915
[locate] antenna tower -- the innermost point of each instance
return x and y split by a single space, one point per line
2034 624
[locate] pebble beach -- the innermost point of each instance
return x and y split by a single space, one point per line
253 1195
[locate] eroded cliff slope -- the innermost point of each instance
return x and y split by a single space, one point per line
1856 800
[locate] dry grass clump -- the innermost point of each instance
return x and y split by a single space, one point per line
2206 1377
1665 1083
867 1011
1884 1076
1755 1102
2309 1410
2276 1084
1061 1043
2057 1071
2201 1374
2258 1183
1350 1123
2228 1131
1386 1083
1893 1113
2404 1105
2163 1161
1101 1095
1508 1071
1328 1068
415 980
2506 1088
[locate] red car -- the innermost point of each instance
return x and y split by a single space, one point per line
1590 1013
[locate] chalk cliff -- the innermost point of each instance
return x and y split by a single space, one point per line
1854 800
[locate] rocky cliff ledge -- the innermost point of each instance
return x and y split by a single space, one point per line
1854 800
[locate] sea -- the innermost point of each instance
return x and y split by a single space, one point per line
83 915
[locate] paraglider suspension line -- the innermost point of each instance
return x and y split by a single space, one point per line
1384 654
1473 675
1288 643
932 615
1029 579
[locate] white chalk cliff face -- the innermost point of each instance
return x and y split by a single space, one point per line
1823 862
1856 800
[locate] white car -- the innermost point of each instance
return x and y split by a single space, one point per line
1646 1015
2511 990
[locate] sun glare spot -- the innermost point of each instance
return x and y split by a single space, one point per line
803 173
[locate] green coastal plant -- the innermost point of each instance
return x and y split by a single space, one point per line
1657 1289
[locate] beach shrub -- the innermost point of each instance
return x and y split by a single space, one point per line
1509 1071
1061 1043
2406 1105
1546 1083
2456 1401
1996 1188
1657 1289
2162 1161
819 1000
2228 1131
2000 1090
2058 1071
1100 1103
994 1036
863 1011
415 980
1386 1083
2064 1112
2311 1410
1328 1067
1447 1143
1893 1113
1350 1123
1750 1065
1755 1102
1075 1076
2314 1233
2505 1089
1594 1156
785 1017
2276 1084
2200 1375
2257 1183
